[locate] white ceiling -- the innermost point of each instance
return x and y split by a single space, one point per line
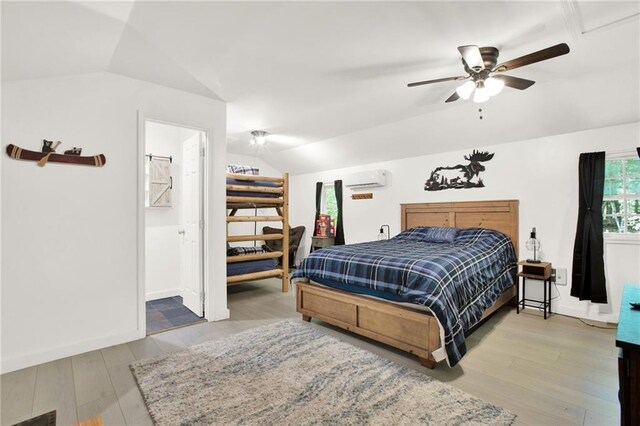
317 71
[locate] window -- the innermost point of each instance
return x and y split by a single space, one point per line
329 203
621 205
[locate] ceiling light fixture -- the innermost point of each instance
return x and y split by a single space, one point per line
259 137
466 90
481 94
481 89
481 63
494 85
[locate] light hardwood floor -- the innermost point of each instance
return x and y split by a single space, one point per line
552 372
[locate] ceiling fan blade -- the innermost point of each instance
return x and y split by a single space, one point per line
472 56
452 98
515 82
438 80
532 58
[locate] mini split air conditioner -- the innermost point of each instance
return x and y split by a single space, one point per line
366 179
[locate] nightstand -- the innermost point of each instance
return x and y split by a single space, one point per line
321 242
535 271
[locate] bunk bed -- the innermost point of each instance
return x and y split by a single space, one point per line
251 192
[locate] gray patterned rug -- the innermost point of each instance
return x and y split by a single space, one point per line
288 373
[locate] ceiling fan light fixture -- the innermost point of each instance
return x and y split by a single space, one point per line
259 137
493 86
481 94
465 90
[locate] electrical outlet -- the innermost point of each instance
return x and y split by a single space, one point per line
561 276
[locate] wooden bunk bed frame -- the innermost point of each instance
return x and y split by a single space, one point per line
281 206
413 330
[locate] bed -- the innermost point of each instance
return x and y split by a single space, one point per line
250 267
238 184
250 192
461 278
235 267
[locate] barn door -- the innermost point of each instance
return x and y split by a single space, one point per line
160 182
192 226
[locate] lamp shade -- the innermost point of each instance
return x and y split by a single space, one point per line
493 86
481 95
465 90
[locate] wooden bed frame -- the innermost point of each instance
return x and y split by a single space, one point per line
281 206
409 329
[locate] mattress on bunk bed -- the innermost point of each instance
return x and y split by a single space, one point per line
456 273
239 268
243 169
237 251
251 183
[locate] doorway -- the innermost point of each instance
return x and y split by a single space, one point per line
174 225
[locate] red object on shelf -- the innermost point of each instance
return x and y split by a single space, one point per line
324 226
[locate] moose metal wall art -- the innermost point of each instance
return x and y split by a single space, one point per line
461 175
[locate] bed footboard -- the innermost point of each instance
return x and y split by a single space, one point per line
408 329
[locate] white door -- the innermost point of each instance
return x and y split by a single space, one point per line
191 229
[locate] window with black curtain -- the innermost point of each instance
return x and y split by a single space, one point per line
588 278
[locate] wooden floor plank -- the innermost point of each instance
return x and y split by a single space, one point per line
601 363
504 382
570 379
595 419
144 348
129 397
16 391
168 342
521 350
55 390
528 413
558 340
117 355
189 335
91 378
108 408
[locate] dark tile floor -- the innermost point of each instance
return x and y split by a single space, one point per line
163 314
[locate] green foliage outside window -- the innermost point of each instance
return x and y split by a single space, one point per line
621 205
330 206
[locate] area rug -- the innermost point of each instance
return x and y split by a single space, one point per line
290 374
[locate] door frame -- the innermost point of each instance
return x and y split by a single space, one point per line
141 220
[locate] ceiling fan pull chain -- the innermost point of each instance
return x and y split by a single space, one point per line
480 111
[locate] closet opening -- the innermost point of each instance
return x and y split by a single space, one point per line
174 225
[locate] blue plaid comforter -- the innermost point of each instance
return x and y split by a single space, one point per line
456 273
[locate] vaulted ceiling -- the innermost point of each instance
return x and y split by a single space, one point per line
334 74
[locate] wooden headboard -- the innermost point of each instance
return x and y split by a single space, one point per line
500 215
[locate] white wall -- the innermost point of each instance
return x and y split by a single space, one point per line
162 241
1 206
71 233
541 173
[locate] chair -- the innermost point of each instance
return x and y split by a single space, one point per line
295 236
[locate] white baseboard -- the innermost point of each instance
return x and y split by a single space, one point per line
29 360
582 313
162 294
220 316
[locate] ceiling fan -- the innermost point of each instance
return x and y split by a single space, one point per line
485 76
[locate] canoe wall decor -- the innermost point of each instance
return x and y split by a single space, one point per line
42 158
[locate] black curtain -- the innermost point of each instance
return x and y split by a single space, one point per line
318 204
587 280
339 227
